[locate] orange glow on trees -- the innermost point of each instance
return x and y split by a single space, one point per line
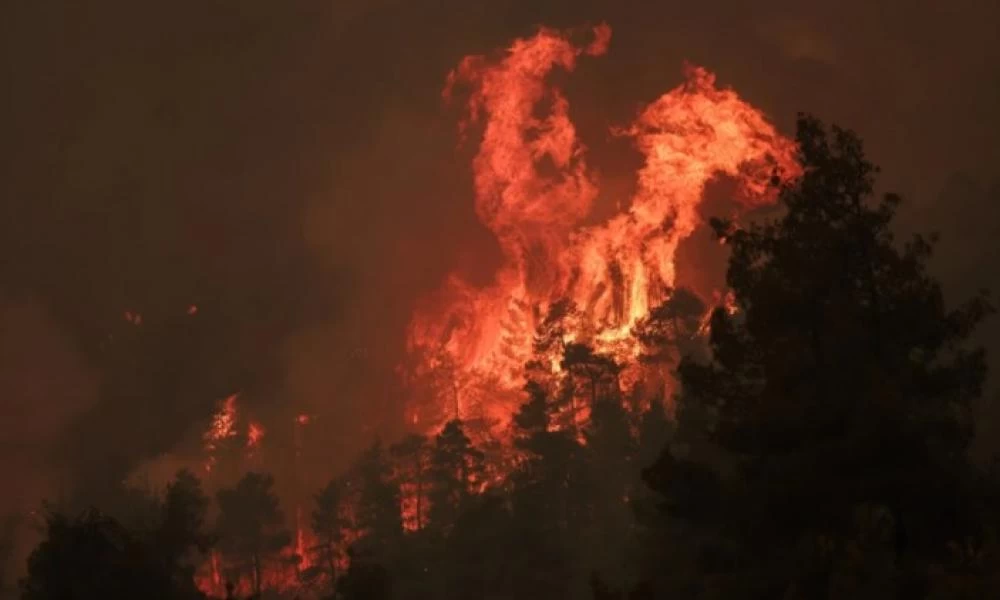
576 283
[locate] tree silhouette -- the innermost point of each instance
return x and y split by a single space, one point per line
456 471
841 381
180 537
251 525
599 371
611 480
477 554
595 372
671 329
412 456
379 517
328 524
93 556
546 492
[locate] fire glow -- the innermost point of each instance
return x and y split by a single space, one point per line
533 190
472 345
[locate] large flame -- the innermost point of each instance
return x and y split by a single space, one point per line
533 190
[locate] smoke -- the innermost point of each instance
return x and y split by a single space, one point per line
288 168
45 386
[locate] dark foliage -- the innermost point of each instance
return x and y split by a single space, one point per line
840 385
93 556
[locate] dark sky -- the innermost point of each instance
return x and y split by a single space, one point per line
288 168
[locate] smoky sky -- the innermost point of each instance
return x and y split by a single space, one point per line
289 169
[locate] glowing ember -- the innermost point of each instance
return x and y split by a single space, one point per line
192 310
533 190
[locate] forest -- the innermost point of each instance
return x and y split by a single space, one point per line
816 446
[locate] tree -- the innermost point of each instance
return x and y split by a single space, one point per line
456 470
597 372
94 556
378 510
611 479
412 456
671 329
840 381
181 531
328 524
477 553
545 500
250 526
551 334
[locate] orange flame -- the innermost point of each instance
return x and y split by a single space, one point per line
222 426
255 433
533 190
303 541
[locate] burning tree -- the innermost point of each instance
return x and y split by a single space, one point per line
672 329
565 284
412 457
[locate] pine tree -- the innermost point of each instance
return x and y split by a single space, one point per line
456 472
251 526
328 525
546 491
378 510
841 381
672 329
181 538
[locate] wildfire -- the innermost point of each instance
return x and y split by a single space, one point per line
533 189
255 433
301 543
222 427
565 283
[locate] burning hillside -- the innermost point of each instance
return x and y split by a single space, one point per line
564 282
578 308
